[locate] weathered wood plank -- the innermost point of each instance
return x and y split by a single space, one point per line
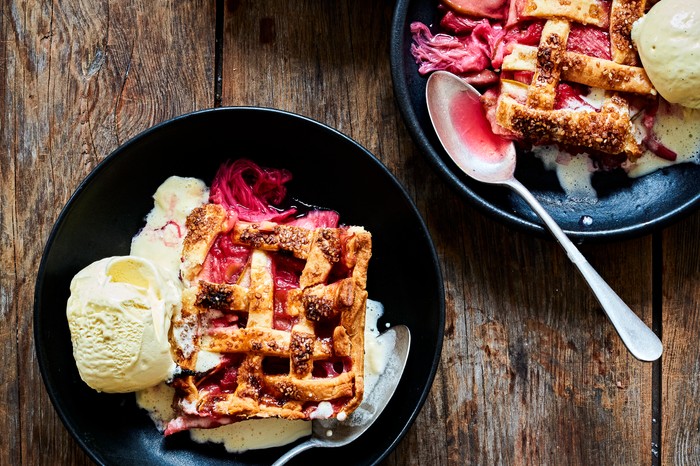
79 78
680 411
309 57
9 391
532 371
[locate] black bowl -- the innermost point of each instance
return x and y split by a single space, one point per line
626 207
330 170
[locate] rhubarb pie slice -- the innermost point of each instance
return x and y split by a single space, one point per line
551 72
282 306
528 109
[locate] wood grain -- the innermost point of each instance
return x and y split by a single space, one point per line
79 78
529 363
308 57
680 427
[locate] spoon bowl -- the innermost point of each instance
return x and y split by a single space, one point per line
465 133
327 433
463 138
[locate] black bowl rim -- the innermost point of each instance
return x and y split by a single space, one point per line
104 164
397 58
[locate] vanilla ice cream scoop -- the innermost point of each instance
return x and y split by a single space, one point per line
119 315
668 42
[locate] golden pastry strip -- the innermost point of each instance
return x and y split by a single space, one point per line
583 69
272 237
607 130
268 342
204 224
591 12
623 14
549 56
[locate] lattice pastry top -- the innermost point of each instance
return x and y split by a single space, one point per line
530 113
284 304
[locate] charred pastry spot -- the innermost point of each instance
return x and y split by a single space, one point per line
258 239
547 59
301 348
254 381
196 224
317 308
184 373
214 296
329 243
293 239
288 390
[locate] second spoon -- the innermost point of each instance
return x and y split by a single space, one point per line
456 114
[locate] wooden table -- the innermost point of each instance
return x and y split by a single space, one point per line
531 371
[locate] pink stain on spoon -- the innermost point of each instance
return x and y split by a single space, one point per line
474 130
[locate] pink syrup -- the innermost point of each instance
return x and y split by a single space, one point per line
474 130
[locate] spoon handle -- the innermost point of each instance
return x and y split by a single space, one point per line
639 339
294 452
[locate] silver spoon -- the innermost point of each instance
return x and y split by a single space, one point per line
496 165
333 433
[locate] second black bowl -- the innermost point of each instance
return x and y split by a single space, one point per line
626 207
